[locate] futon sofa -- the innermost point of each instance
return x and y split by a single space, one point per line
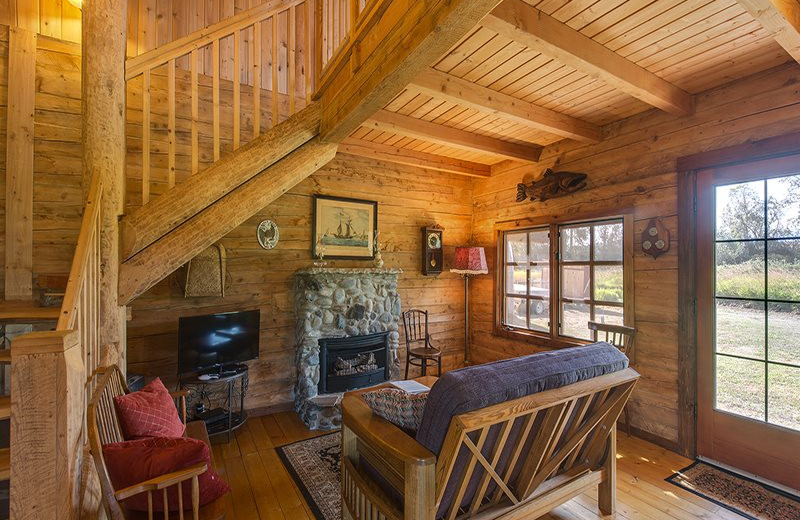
509 439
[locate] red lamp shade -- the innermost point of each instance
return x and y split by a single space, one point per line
469 260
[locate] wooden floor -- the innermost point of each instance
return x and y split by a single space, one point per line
262 488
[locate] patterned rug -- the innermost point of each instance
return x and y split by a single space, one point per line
739 494
314 465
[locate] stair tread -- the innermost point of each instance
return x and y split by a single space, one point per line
5 463
5 407
24 310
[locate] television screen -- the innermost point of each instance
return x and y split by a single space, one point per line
217 339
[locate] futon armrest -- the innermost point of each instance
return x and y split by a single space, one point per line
162 481
381 435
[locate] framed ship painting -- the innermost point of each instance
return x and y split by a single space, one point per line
344 228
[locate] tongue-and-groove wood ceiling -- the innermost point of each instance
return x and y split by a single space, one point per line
692 44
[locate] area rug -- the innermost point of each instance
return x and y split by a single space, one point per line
739 494
314 466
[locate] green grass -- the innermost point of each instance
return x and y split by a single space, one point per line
746 280
740 383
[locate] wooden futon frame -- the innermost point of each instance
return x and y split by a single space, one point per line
564 442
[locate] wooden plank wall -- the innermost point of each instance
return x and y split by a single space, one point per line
56 160
54 18
635 167
408 198
152 23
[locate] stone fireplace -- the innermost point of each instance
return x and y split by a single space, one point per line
355 311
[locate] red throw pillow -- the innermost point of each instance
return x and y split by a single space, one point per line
132 462
150 412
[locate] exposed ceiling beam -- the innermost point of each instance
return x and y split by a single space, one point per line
781 18
528 26
391 122
465 93
413 158
386 51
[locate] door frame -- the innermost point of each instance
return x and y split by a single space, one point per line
687 168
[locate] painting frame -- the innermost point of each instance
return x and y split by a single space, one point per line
355 222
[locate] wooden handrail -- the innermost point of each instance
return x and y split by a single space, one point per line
79 269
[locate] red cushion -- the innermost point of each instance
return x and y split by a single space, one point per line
150 412
132 462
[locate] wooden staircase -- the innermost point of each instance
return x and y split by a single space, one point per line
365 52
206 151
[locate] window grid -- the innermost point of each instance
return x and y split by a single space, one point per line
555 292
528 264
592 302
766 300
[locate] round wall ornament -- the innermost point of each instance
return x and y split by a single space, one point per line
267 234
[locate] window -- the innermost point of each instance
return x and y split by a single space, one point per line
586 282
757 293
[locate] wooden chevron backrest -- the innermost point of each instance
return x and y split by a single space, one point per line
502 456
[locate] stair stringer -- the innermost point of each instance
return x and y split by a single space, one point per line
182 243
155 219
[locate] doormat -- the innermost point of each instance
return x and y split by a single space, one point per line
736 493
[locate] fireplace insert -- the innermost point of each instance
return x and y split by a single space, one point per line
352 362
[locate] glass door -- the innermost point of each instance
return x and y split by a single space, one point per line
749 318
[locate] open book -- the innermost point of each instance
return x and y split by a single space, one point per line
411 386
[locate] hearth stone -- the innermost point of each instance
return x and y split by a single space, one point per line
334 303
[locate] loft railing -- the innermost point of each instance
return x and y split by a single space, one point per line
266 48
50 386
337 22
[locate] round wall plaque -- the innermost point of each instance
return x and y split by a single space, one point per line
267 234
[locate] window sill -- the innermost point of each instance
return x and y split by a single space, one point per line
538 339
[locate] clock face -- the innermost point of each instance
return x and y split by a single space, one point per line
434 241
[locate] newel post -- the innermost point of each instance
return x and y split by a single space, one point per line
103 96
47 400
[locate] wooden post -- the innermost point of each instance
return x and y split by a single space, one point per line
607 489
46 425
19 164
103 94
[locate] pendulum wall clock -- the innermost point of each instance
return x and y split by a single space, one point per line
432 252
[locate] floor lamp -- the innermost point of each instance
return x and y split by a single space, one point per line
468 261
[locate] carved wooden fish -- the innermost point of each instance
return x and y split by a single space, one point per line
551 185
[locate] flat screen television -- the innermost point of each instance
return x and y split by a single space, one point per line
216 340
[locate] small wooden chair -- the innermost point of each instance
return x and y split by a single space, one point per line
104 428
415 324
623 338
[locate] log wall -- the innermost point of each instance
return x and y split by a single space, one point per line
408 198
635 167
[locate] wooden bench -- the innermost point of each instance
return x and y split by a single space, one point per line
103 428
561 443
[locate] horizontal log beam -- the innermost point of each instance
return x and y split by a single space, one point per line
156 218
781 18
167 254
518 21
471 95
399 155
392 122
404 38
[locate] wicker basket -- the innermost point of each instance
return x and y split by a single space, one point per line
205 273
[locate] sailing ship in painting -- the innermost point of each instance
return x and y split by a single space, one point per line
351 230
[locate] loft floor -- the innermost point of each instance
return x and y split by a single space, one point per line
263 489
